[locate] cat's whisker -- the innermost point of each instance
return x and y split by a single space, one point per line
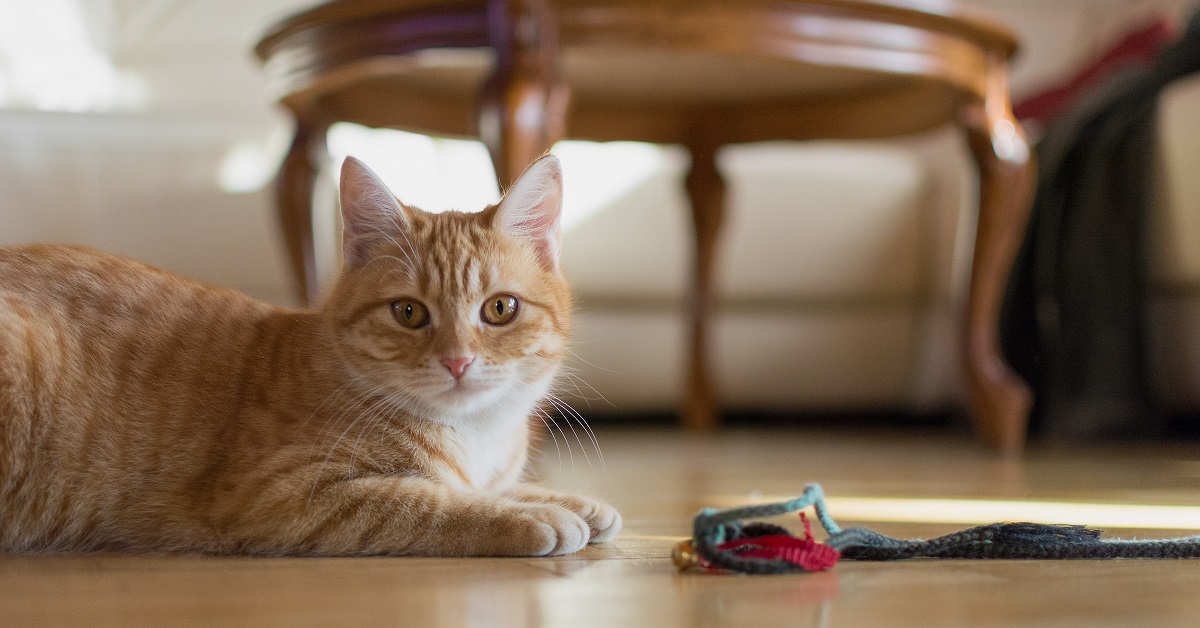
559 404
554 401
406 250
579 379
566 441
393 272
541 415
568 350
351 413
337 420
363 394
591 340
329 454
378 415
570 452
578 391
407 263
570 412
587 428
386 414
381 258
398 408
328 400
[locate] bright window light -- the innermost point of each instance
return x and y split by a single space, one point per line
595 175
244 169
434 174
249 165
50 61
442 174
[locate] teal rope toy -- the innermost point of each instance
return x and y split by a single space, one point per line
722 541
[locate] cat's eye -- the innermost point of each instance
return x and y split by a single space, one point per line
409 313
500 309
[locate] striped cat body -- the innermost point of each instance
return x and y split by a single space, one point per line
140 411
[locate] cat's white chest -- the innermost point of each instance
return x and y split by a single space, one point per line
491 447
491 459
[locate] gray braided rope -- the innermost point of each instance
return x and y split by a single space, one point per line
998 540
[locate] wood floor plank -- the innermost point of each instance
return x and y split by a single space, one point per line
659 478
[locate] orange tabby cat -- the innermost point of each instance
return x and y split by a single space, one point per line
144 412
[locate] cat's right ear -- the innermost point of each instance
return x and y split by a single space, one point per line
532 209
370 213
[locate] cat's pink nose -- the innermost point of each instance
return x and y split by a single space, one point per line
457 366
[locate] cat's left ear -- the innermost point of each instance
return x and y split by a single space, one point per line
532 209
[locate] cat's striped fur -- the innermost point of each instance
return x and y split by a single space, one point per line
144 412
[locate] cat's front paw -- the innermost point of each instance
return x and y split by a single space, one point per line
545 530
604 522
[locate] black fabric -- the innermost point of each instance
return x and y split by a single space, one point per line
1007 541
1074 320
1031 541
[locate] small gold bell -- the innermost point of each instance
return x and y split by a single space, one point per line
684 555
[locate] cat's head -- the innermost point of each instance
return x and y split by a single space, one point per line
450 313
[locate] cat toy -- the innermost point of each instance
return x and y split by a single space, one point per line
721 541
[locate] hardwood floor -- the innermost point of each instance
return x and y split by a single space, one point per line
659 478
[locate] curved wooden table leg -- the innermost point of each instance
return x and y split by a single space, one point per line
1000 400
294 202
524 102
706 191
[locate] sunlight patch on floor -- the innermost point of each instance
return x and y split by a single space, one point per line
982 511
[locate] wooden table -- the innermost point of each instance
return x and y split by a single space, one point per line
522 74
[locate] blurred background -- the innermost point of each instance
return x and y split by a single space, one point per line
143 127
